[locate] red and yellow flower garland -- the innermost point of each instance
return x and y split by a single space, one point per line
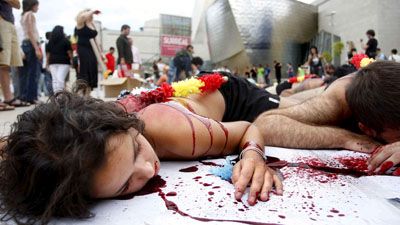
164 93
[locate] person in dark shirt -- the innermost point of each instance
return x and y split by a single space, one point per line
59 56
125 57
372 44
278 73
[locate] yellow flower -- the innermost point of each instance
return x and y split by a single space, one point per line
366 61
187 87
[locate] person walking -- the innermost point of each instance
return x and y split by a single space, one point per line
59 57
125 57
371 46
278 71
30 72
9 54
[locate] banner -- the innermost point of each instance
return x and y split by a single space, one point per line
171 44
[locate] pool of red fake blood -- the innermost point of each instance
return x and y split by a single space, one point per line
356 164
191 169
156 184
210 163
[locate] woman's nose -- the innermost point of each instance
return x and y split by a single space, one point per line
146 171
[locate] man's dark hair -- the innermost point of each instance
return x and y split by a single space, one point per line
344 70
189 46
197 61
51 155
124 27
112 48
374 95
371 32
394 51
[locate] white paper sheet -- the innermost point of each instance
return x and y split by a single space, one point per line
343 200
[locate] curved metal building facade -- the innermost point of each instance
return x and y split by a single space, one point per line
243 32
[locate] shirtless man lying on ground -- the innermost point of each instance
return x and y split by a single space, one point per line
359 112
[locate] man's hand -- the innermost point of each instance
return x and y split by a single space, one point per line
360 143
384 158
252 168
38 53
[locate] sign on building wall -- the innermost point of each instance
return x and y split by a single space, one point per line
175 34
171 44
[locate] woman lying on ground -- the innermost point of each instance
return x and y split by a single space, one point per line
64 154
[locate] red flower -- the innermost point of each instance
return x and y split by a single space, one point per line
211 82
356 60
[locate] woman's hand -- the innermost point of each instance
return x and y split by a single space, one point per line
384 158
252 168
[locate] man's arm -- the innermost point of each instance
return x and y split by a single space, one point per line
14 3
311 124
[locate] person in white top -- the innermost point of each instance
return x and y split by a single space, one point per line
394 57
30 72
160 65
137 60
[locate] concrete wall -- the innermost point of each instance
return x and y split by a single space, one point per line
351 19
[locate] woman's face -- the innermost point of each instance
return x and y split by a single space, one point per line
35 8
130 163
313 51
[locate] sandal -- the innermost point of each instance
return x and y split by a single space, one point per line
5 107
17 103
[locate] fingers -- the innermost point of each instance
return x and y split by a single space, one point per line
278 184
267 186
384 159
245 176
377 159
236 172
256 184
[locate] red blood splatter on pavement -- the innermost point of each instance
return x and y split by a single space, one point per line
189 169
172 193
210 163
334 211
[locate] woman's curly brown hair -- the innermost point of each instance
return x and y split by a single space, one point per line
51 155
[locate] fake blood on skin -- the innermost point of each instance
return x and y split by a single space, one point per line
205 121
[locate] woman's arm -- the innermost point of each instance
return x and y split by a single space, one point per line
179 134
30 23
83 17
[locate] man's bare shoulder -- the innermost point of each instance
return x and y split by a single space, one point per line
337 91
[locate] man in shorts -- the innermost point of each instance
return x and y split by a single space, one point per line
10 55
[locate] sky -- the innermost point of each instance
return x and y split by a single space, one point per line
114 12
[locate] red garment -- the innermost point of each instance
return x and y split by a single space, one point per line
110 62
124 70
